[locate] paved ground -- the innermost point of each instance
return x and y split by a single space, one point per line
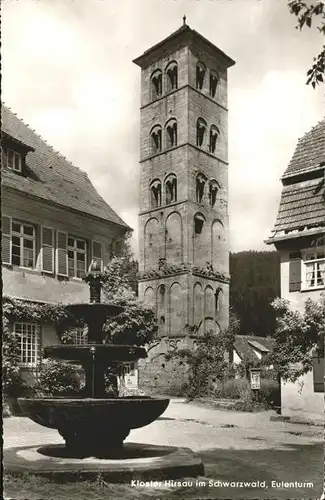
234 446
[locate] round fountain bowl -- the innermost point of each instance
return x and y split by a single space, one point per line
102 353
124 412
89 311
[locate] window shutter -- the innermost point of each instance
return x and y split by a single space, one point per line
47 250
294 272
62 254
6 239
97 253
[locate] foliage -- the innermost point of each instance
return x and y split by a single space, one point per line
56 378
136 324
305 15
131 266
233 388
12 383
208 362
255 282
296 336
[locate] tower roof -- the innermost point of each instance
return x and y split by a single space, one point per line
184 35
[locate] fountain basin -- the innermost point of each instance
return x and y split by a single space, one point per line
89 311
103 353
133 412
91 426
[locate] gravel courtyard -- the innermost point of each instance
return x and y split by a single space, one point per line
236 447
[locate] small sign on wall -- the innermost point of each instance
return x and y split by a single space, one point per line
255 378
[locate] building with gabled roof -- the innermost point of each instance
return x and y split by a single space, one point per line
54 223
299 236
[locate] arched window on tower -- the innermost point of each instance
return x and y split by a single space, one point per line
155 193
171 133
214 79
199 221
172 76
201 126
199 187
156 84
217 298
156 136
214 134
171 189
213 192
200 74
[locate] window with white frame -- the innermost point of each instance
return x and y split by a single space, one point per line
314 265
29 346
14 161
23 244
77 257
129 369
80 336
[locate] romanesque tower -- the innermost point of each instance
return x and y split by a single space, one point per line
183 234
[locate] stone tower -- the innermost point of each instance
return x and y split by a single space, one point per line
183 233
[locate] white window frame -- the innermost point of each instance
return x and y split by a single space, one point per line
75 251
15 155
129 369
320 248
34 346
80 337
21 237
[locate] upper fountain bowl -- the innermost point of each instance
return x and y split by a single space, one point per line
94 310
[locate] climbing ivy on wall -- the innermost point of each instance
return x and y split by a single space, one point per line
296 336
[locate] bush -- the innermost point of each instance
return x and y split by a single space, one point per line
57 379
268 396
269 392
234 388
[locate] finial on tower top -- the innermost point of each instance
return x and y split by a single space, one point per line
184 20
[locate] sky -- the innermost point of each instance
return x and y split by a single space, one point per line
67 71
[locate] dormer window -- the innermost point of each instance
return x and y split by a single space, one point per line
14 160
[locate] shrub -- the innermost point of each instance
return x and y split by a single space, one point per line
269 392
57 379
234 388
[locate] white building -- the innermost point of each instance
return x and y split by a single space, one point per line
299 236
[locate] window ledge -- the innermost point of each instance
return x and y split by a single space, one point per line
312 289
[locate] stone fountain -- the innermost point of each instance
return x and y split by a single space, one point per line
95 424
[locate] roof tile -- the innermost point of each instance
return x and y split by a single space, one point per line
54 178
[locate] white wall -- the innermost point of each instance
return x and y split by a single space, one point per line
298 399
298 298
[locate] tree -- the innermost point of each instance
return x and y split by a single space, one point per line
296 336
255 282
210 360
137 323
305 15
